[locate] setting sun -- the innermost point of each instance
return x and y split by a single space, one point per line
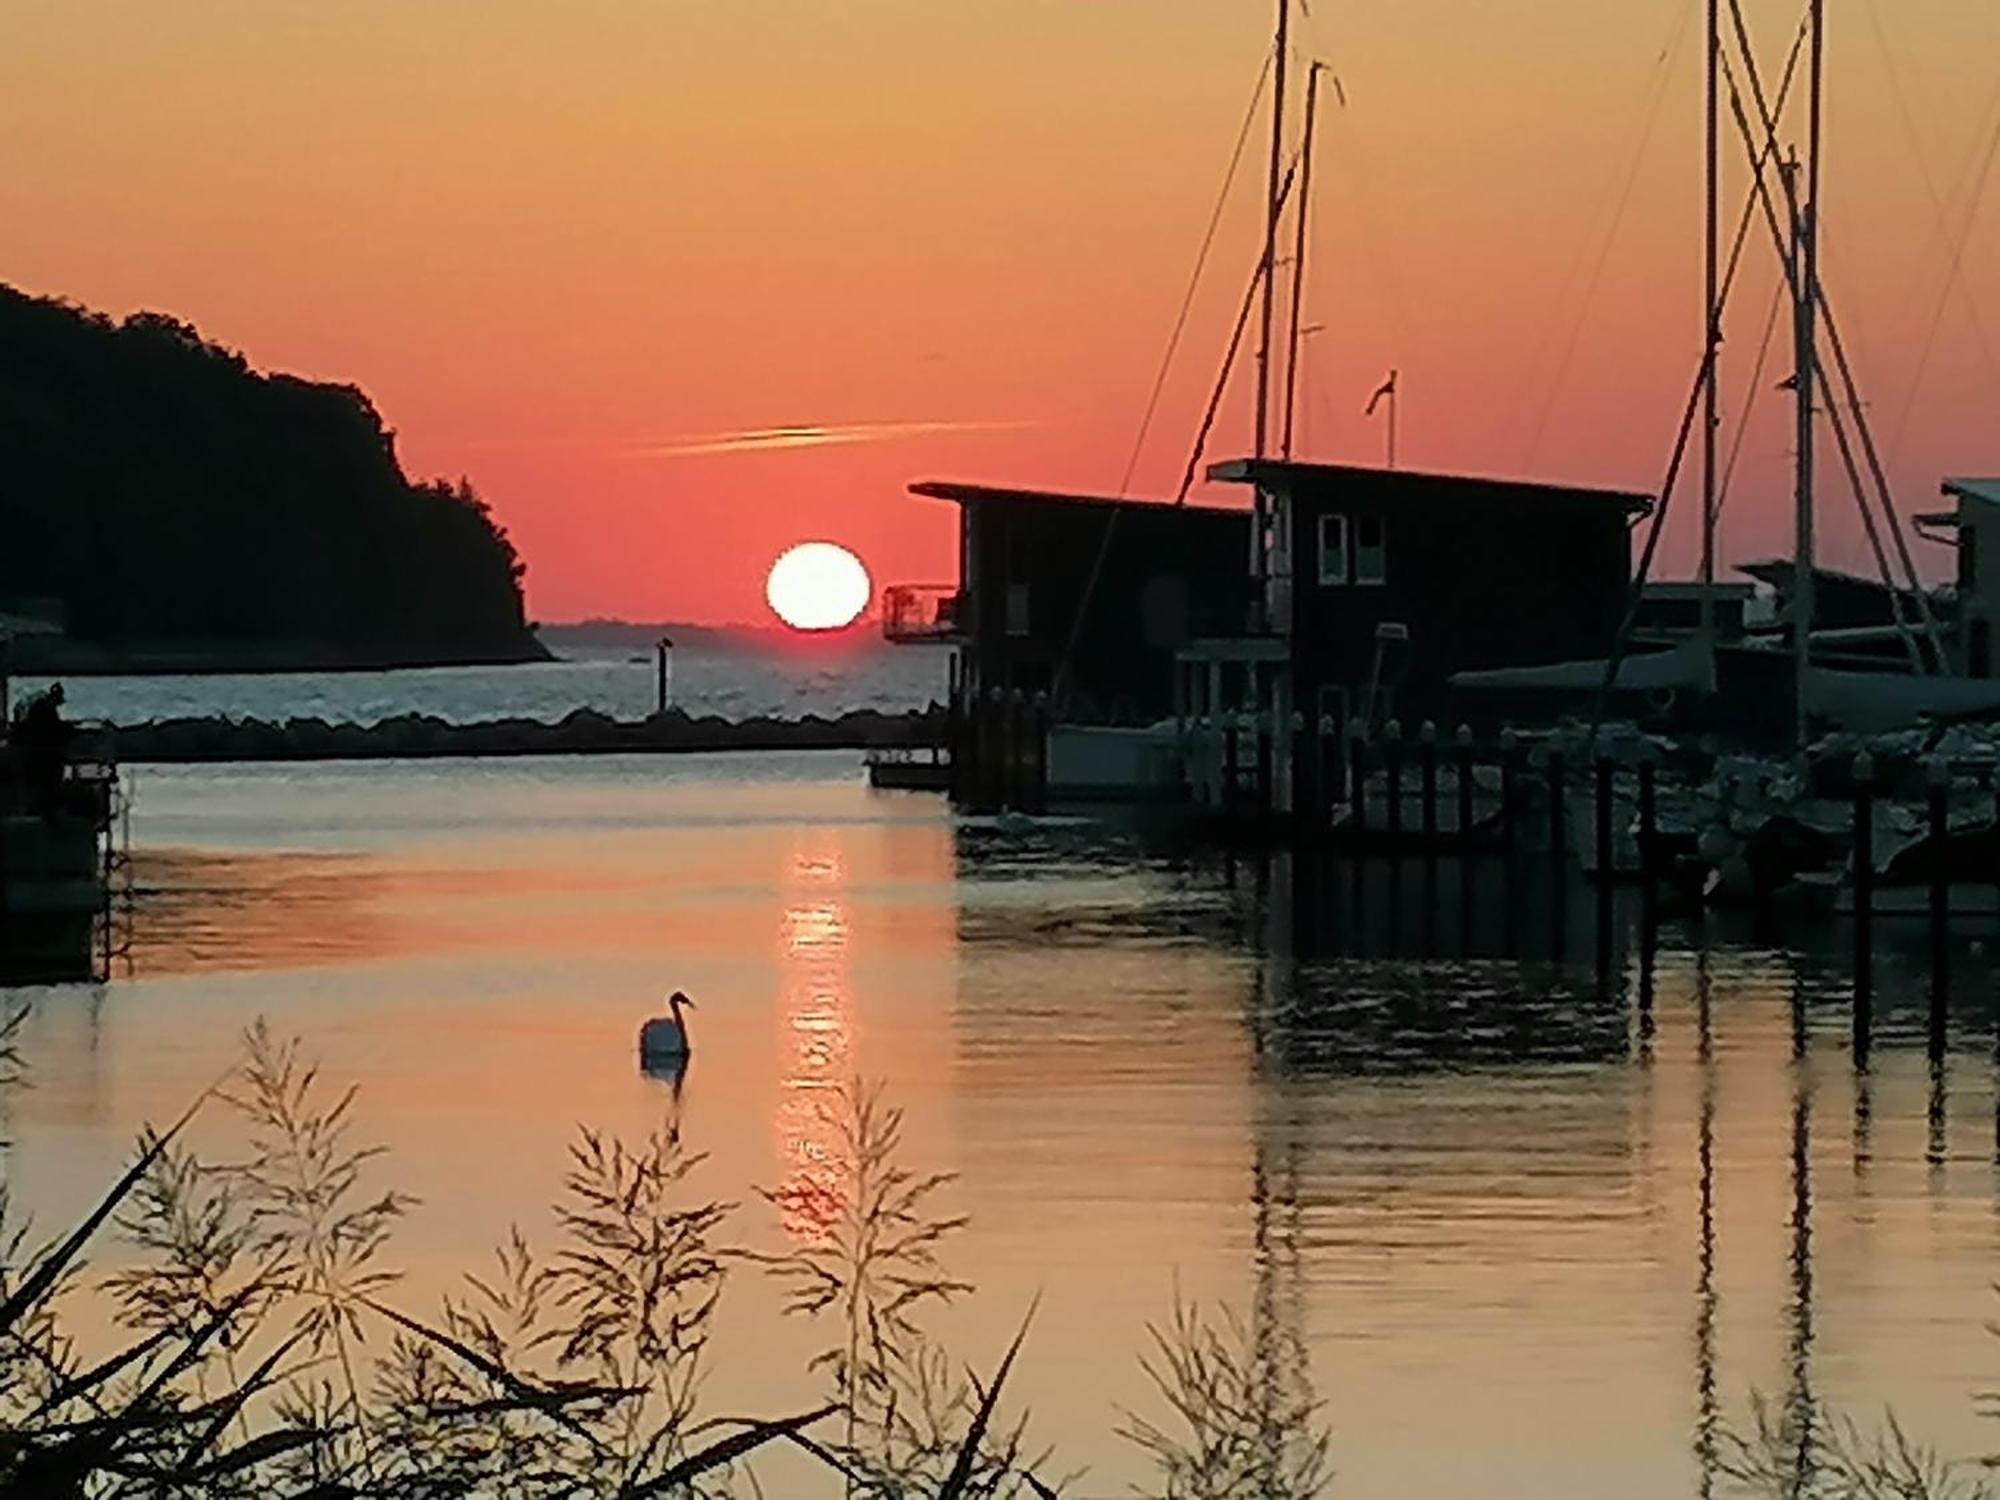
818 586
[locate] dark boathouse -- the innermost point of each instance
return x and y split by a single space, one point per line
1379 584
1085 598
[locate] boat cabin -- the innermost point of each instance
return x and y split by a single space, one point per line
1972 528
1086 598
1379 584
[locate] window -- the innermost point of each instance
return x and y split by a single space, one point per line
1371 550
1333 549
1017 609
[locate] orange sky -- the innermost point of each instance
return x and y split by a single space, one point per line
564 244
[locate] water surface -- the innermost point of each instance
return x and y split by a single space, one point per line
1473 1183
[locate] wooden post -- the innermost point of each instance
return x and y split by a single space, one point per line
1607 854
1556 810
1427 738
1039 720
1326 756
1510 887
1864 905
1466 812
1392 753
958 742
1649 839
1357 783
1994 777
1558 896
1606 870
663 664
1229 754
1305 783
993 751
1267 774
1940 821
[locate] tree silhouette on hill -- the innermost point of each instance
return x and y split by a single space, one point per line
169 496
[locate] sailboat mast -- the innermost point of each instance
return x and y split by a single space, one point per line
1712 326
1805 329
1303 216
1274 206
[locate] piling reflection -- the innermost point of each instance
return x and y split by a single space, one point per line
1437 970
817 1047
1708 1403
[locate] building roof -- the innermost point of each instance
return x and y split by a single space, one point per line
989 494
1688 588
11 624
1778 571
1987 490
1422 487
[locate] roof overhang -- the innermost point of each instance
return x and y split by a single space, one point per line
1271 473
963 493
1986 491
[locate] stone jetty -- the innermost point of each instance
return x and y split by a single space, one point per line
582 732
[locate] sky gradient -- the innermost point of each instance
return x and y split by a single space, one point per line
622 263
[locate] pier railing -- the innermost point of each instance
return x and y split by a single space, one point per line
914 613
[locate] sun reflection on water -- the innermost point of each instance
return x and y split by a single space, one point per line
816 1011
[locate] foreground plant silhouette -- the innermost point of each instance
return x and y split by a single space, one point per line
1790 1453
264 1355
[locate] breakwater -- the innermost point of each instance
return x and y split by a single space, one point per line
581 732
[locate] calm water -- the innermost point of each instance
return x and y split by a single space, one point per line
1475 1185
727 679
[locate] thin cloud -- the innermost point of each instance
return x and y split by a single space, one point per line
784 439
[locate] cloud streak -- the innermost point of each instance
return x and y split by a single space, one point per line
787 439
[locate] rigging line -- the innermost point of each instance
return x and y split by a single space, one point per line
1194 281
1825 308
1956 245
1059 677
1937 200
1657 521
1649 120
1750 397
1819 381
1229 358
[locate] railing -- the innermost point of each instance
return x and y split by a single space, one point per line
916 612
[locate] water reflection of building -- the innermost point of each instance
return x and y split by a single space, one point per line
816 1051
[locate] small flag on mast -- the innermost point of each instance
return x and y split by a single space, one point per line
1387 388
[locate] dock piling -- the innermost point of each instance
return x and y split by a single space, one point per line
1427 738
1465 766
1864 905
1392 759
1357 783
1939 788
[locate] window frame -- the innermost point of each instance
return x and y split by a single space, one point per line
1378 576
1331 522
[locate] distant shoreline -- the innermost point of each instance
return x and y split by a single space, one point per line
40 657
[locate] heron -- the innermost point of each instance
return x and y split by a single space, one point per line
665 1038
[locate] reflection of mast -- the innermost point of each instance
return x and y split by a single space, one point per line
1277 1303
1799 1405
1709 1419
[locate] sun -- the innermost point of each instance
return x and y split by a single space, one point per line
818 586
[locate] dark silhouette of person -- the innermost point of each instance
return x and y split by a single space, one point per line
42 738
